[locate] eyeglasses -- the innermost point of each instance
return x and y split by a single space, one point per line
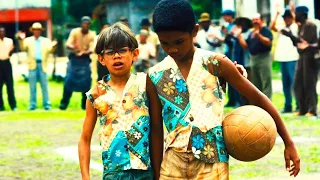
111 52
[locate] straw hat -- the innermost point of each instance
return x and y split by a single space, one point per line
204 17
36 25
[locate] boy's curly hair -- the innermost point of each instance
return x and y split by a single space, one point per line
174 15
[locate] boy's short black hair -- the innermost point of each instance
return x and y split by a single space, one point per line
115 37
176 15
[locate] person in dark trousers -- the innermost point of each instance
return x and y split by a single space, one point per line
286 53
240 55
307 68
78 78
6 48
233 95
259 44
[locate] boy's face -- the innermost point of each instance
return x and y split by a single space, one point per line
118 61
177 44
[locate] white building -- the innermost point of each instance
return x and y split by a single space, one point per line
247 8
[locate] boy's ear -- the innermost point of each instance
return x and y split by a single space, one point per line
195 30
101 60
135 54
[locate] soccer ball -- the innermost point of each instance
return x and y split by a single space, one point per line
249 133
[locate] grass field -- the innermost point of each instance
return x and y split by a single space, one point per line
28 141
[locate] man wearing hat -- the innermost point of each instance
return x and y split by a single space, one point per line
209 37
307 68
228 16
286 53
38 48
6 49
78 78
152 36
147 52
124 20
240 55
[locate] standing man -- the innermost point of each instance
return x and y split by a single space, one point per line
286 53
209 37
78 78
6 77
124 20
307 68
240 55
38 48
147 53
228 16
259 44
152 36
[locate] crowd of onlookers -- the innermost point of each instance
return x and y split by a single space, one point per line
247 41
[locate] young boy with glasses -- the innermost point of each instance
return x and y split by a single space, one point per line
120 103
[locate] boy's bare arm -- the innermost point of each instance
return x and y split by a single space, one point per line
245 87
85 140
156 126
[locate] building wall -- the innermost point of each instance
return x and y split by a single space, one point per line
12 4
115 10
248 8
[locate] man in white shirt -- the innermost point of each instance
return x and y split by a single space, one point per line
286 53
152 37
209 37
6 48
147 53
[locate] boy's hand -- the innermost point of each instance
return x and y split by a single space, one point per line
290 154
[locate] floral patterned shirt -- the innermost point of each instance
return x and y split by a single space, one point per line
192 109
124 124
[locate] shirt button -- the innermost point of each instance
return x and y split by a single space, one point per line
124 101
191 118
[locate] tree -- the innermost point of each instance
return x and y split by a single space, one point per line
200 6
213 7
58 11
79 8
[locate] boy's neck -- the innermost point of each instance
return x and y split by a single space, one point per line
119 81
185 63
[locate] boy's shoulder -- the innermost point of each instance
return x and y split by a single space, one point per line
101 87
201 55
165 64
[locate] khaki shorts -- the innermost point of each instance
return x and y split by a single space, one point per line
180 165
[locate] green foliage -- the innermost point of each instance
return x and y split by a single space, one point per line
57 10
200 6
213 7
79 8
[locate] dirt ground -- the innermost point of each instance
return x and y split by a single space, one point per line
27 150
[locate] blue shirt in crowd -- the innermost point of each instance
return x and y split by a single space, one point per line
254 44
37 53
